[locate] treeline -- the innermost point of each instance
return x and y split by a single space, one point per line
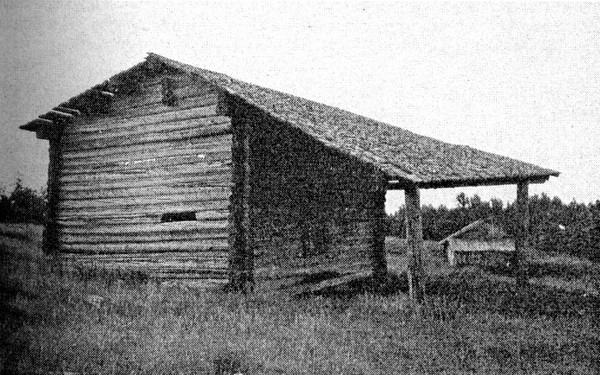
22 205
555 226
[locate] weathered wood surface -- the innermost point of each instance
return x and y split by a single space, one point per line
194 245
51 242
186 132
522 229
124 169
312 210
378 258
159 191
98 124
414 235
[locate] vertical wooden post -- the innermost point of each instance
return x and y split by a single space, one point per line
378 249
414 235
522 231
241 256
50 242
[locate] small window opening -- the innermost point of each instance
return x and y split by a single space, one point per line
178 216
168 92
315 239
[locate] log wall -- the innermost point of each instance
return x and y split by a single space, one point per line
161 148
313 211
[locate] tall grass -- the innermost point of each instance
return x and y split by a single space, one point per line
97 323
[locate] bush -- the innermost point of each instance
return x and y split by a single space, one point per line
24 205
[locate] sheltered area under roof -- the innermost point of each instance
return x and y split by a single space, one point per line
408 161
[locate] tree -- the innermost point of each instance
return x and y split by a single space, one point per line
24 205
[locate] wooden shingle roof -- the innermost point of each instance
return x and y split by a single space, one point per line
404 156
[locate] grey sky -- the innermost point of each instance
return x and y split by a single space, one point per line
518 80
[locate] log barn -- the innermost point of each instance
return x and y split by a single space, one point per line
184 173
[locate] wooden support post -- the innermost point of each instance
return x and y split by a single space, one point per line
241 255
522 231
378 250
414 235
50 241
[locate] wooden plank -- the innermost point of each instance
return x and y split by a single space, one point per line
168 227
166 150
90 124
241 254
414 235
150 138
152 95
134 151
163 246
203 171
187 179
50 243
74 137
378 222
522 230
128 217
84 210
134 200
116 238
146 192
149 257
142 165
79 214
186 103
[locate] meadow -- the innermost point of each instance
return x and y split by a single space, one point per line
472 321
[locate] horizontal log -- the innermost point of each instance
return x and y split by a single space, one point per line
182 273
145 256
153 95
78 219
120 142
160 150
145 192
133 228
189 180
74 137
133 151
95 124
203 171
142 165
145 200
198 264
187 109
80 214
172 246
146 205
140 218
116 238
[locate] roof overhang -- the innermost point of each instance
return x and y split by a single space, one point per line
438 184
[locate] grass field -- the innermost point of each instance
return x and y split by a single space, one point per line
473 321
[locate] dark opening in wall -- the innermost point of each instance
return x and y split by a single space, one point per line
168 92
178 216
315 238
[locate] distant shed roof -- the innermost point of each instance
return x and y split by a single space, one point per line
483 230
402 155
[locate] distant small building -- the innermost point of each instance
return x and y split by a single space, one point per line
482 242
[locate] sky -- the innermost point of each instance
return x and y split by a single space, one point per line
521 80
